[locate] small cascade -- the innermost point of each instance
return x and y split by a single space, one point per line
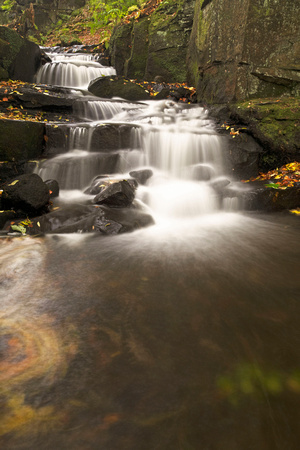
177 142
72 71
185 155
95 110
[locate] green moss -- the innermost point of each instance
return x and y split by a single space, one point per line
274 121
15 43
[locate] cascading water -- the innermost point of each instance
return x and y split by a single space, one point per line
181 335
72 71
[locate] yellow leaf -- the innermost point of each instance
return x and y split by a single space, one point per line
13 183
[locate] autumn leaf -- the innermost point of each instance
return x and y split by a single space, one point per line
295 211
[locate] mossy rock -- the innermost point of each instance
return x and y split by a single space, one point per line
108 87
19 58
10 46
20 140
274 122
120 47
154 45
136 65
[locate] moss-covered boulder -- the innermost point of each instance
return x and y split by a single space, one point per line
108 87
19 58
21 140
275 124
246 49
155 45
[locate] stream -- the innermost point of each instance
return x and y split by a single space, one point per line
184 335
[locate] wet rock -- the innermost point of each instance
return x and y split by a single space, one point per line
107 137
66 219
103 181
46 98
202 172
259 197
97 185
219 183
90 219
116 195
53 188
27 193
116 221
242 157
113 86
142 176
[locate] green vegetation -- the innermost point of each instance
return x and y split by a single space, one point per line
110 11
8 5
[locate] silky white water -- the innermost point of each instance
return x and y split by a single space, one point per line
72 71
177 142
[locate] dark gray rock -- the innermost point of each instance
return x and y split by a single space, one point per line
53 187
116 195
122 220
20 141
108 87
27 193
242 157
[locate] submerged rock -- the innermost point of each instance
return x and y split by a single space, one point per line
90 219
123 220
141 175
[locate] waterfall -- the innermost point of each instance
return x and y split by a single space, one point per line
177 142
72 71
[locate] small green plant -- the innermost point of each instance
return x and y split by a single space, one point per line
8 5
110 12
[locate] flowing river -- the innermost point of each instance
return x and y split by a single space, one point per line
184 335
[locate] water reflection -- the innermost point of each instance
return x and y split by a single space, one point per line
182 337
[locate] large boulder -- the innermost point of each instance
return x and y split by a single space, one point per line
244 49
108 87
19 58
27 193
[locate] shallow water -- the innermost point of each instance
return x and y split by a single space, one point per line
164 340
